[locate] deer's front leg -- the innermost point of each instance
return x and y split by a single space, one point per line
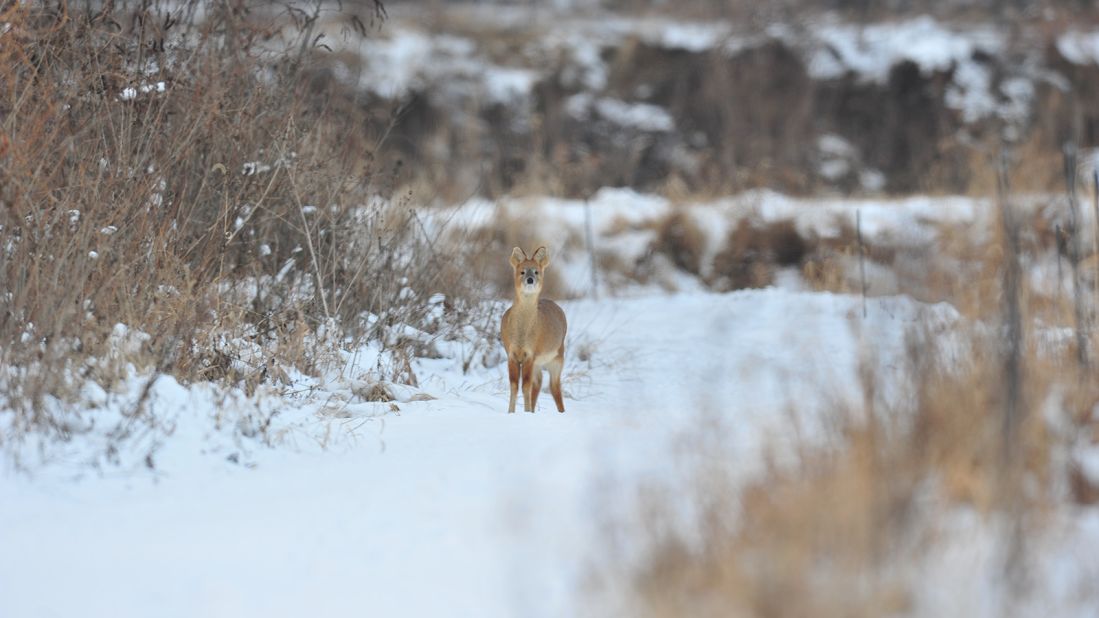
528 370
513 378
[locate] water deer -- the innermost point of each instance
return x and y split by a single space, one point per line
533 330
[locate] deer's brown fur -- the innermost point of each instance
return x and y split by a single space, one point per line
533 330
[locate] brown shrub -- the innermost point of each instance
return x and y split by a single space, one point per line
784 242
680 239
616 272
827 272
201 188
751 253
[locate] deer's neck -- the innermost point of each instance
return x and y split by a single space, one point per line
525 303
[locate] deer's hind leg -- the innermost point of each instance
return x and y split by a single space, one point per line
555 367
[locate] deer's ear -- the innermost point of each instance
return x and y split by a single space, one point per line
517 256
542 257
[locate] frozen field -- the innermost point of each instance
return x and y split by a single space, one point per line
447 507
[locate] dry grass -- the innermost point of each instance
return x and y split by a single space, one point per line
681 240
752 252
847 524
847 528
814 540
187 173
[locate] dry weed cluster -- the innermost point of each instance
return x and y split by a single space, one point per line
992 412
180 168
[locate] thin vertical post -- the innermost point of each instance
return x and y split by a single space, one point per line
1074 256
591 248
1093 161
862 257
1059 239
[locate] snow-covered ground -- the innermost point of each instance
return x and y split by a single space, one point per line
441 503
447 506
309 497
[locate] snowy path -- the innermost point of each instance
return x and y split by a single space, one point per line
451 508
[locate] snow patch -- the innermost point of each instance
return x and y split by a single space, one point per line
410 60
970 92
642 116
871 51
693 37
131 93
506 84
1079 47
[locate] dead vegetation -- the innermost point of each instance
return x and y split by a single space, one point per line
182 170
682 241
752 252
851 527
990 418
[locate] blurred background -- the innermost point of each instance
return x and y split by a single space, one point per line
700 97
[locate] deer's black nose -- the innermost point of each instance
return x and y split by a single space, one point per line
530 280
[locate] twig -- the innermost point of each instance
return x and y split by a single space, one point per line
309 244
229 236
